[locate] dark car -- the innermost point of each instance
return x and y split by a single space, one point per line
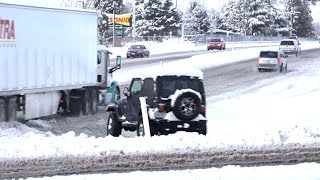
216 44
138 51
174 103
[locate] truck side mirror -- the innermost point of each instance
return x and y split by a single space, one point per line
118 65
119 62
126 91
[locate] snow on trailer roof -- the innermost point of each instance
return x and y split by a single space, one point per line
52 5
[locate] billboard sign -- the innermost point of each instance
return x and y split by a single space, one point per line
122 20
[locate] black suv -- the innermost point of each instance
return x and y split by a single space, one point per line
174 103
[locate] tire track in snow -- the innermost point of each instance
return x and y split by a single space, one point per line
191 159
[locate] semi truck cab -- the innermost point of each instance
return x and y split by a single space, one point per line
110 90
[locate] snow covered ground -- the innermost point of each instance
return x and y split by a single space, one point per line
283 112
280 113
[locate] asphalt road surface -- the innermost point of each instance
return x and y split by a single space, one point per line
238 76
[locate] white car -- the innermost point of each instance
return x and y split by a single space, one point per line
272 60
290 46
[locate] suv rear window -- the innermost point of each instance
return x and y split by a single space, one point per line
137 47
268 54
286 43
215 40
168 85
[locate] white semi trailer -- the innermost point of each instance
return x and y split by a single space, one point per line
50 60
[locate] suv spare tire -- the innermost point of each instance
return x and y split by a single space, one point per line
187 106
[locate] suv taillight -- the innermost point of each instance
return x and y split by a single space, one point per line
258 60
162 108
203 109
278 60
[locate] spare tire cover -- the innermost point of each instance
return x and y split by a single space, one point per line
187 106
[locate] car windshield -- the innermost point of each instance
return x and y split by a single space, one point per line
286 43
136 47
215 40
168 85
268 54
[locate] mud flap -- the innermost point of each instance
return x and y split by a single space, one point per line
145 118
75 105
110 94
107 98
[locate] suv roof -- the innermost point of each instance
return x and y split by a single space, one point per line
215 40
167 85
171 71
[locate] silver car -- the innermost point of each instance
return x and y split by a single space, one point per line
272 60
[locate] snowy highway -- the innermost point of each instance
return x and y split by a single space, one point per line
156 56
241 75
228 80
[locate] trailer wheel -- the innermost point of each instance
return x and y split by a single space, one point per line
94 101
3 110
12 109
85 105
